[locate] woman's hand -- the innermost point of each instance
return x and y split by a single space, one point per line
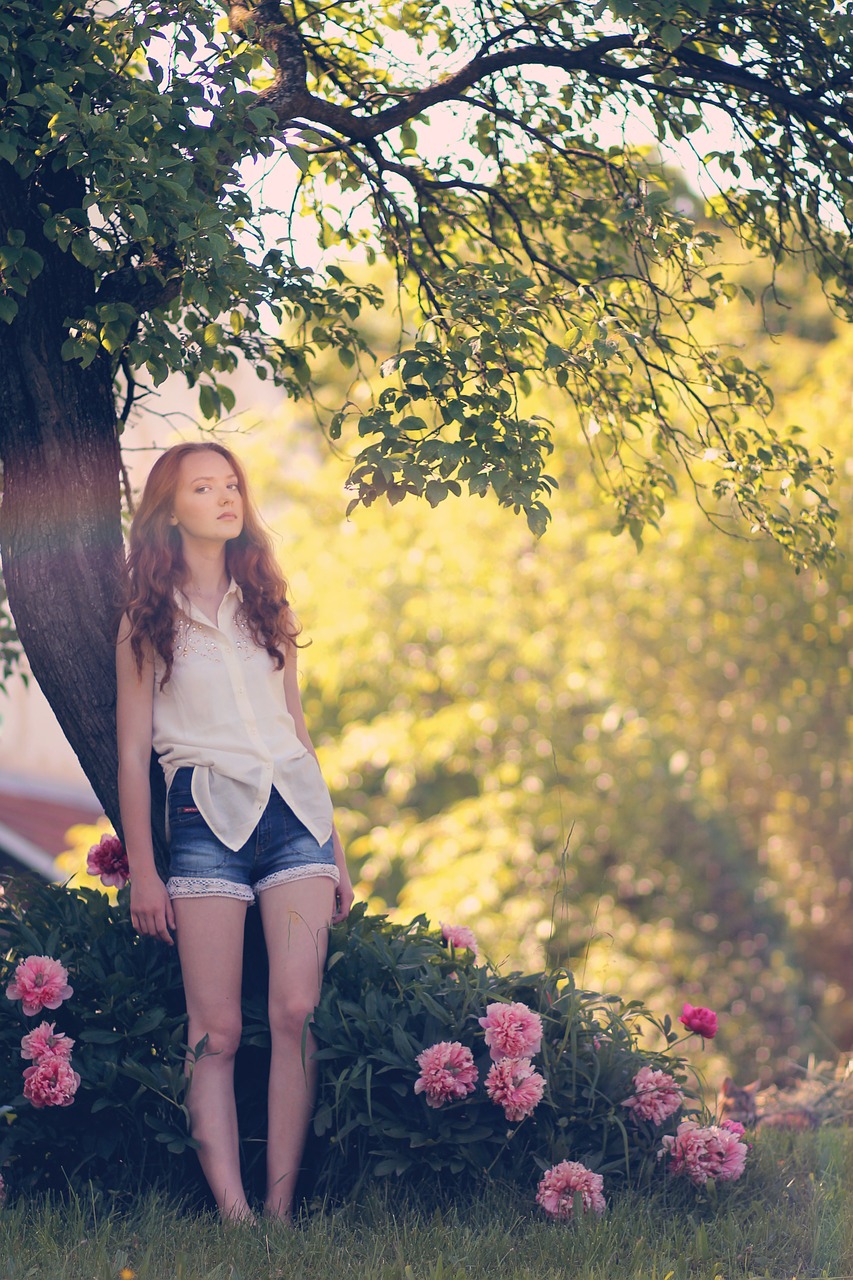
343 897
344 894
151 907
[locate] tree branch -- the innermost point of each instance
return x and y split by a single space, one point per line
291 99
154 283
803 105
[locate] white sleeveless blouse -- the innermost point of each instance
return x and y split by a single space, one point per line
223 713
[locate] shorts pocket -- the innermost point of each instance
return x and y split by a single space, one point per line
184 816
183 810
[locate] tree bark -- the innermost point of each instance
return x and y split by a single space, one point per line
60 519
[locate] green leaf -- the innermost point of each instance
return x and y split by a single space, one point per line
148 1021
84 251
670 37
299 156
140 217
97 1035
208 401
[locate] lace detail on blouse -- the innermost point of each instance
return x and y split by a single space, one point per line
192 638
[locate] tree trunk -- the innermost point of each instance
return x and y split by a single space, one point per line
60 520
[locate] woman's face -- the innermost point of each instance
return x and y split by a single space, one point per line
208 505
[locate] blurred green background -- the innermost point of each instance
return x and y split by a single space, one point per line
635 763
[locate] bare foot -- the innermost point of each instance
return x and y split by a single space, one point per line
238 1214
280 1214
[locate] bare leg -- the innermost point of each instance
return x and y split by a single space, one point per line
210 944
296 917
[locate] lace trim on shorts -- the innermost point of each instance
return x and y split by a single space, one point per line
299 873
203 887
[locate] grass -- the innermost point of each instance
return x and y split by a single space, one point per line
790 1216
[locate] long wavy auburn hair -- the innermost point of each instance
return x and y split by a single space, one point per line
156 566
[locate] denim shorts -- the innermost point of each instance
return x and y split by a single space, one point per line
279 849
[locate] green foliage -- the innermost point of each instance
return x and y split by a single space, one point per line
120 100
393 990
390 991
128 1121
476 437
642 764
541 252
621 349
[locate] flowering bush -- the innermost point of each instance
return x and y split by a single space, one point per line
559 1186
704 1153
97 1092
397 1010
425 1054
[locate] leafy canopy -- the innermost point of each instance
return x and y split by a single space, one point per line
465 143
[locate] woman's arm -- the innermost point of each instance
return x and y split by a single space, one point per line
150 906
345 894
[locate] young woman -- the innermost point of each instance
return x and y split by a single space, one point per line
207 676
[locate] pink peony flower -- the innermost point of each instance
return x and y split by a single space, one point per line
512 1031
44 1042
51 1083
514 1085
656 1096
558 1187
702 1021
705 1154
108 860
41 983
733 1126
459 936
447 1073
